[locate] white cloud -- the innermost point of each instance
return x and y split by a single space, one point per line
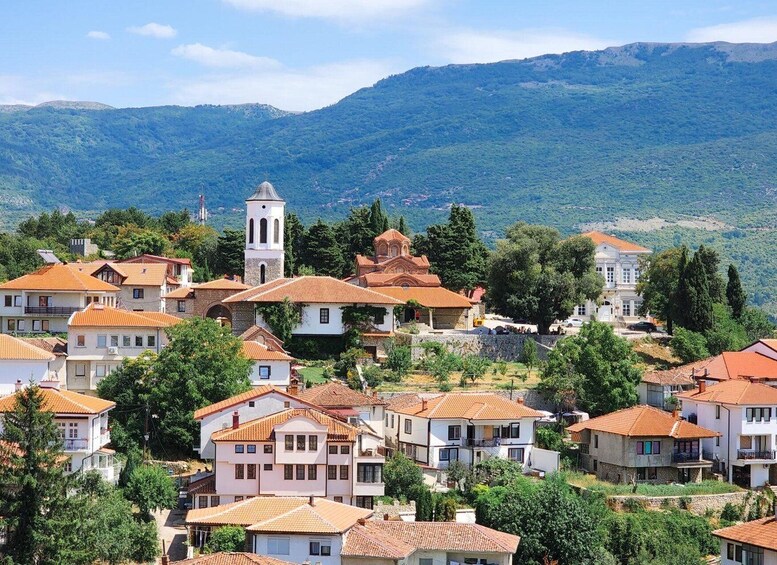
288 89
16 89
160 31
222 58
757 30
98 35
346 10
469 46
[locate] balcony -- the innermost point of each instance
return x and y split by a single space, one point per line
75 444
379 451
51 310
751 454
480 442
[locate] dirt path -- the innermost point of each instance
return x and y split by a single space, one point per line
172 532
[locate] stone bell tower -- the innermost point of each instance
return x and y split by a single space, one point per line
265 214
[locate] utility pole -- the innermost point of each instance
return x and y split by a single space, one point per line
145 435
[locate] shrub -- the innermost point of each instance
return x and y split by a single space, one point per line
348 360
227 539
398 360
689 346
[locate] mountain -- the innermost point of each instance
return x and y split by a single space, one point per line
682 135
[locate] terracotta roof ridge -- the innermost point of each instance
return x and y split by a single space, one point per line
488 532
378 540
76 402
282 515
230 507
32 348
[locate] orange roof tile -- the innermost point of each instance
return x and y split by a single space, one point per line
58 277
54 345
760 533
180 293
311 289
99 315
600 238
338 395
228 558
134 274
391 279
391 235
263 336
740 365
737 392
375 537
258 352
475 406
148 258
262 429
428 297
643 421
252 394
17 349
63 402
285 514
678 376
222 284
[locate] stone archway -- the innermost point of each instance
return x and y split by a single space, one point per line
221 313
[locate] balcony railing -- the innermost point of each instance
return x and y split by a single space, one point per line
756 454
475 442
379 451
51 310
685 457
75 444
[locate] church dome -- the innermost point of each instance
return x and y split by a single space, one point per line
265 191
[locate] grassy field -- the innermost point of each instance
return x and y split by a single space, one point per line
314 375
516 375
590 482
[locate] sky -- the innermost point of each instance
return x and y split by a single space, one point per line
306 54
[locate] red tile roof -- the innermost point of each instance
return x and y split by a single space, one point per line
63 402
428 297
600 238
736 392
643 421
55 345
760 533
391 235
225 558
472 406
12 348
263 336
99 315
58 277
259 352
311 290
262 429
252 394
338 395
147 257
739 365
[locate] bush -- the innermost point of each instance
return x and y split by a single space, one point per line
689 346
731 513
399 360
226 538
348 360
150 488
373 375
548 438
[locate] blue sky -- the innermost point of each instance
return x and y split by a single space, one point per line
306 54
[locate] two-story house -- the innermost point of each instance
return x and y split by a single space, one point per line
179 269
101 337
660 388
142 286
352 405
42 302
642 444
83 428
617 261
466 427
22 362
750 543
744 413
298 451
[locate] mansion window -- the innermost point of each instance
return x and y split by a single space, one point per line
300 472
288 472
312 472
758 414
627 308
138 293
610 275
515 454
626 276
289 441
323 315
648 448
369 473
343 472
580 310
449 454
300 443
312 443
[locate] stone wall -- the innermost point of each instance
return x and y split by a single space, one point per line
696 504
252 274
494 347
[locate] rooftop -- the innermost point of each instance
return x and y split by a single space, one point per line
259 352
338 395
737 392
12 348
392 235
148 258
134 274
263 429
228 558
428 297
265 191
643 421
63 402
99 315
600 238
263 336
739 365
253 394
760 533
312 289
58 277
471 406
55 345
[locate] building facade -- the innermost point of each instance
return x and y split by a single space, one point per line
265 215
22 363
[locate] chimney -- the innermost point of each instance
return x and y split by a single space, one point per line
424 404
675 413
165 559
293 388
519 400
702 386
374 394
386 517
235 420
312 501
362 521
18 386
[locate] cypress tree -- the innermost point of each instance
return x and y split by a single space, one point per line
379 221
402 226
698 307
735 295
293 236
711 261
322 251
680 296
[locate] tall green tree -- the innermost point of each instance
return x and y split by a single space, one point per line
293 242
536 275
693 297
658 284
735 295
356 234
402 226
402 476
230 250
323 251
150 488
596 370
32 486
379 221
710 259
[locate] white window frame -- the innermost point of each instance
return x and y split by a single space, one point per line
102 341
278 545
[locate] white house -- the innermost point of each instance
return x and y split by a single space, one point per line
660 388
179 269
270 367
617 261
56 346
83 427
142 286
42 302
101 337
21 362
321 301
350 404
750 543
744 413
468 427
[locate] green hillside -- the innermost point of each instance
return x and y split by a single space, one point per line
643 131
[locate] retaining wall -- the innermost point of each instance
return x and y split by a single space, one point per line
697 504
494 347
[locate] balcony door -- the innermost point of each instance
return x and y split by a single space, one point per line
470 434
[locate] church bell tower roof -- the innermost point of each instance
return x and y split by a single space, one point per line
265 191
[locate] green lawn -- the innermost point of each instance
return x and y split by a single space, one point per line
314 375
609 489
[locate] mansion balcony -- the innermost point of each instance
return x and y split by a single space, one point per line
75 444
756 455
480 442
689 459
51 310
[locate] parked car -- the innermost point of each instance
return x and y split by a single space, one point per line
643 326
573 322
501 330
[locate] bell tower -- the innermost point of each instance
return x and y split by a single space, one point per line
265 214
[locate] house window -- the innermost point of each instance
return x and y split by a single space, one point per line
151 341
610 275
238 499
626 277
72 431
268 448
8 301
370 472
408 426
277 545
343 472
392 420
251 448
102 341
263 230
215 500
331 472
648 448
80 369
515 454
426 561
80 341
239 448
36 325
758 414
652 473
300 472
323 315
289 439
240 471
320 548
114 341
138 341
288 472
596 441
251 470
627 308
267 467
99 371
454 433
11 325
264 371
380 318
312 443
300 443
596 465
332 450
515 431
449 454
262 273
137 293
126 341
339 499
345 449
203 503
717 441
312 472
17 301
182 305
364 502
717 411
580 310
641 473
